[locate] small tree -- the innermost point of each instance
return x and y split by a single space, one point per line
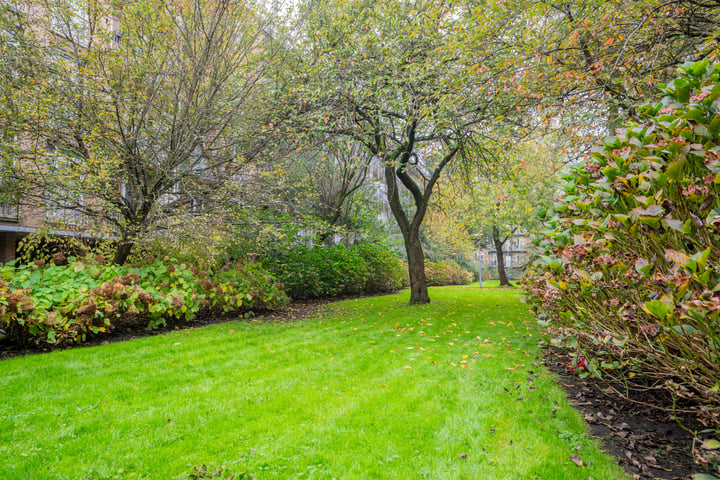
416 85
506 195
140 109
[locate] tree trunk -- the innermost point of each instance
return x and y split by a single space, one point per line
123 251
396 169
416 268
500 259
411 236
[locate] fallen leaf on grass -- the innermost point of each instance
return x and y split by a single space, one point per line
407 367
577 460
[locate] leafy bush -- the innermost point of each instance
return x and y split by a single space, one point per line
446 273
629 263
73 297
386 272
323 272
318 272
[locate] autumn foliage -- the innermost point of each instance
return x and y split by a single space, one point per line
65 301
446 273
629 264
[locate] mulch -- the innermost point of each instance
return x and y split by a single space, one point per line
649 441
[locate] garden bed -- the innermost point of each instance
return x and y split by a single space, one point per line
641 431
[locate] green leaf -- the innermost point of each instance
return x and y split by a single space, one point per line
675 169
685 329
657 308
711 444
703 476
674 224
701 259
714 125
643 266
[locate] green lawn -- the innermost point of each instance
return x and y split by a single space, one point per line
374 389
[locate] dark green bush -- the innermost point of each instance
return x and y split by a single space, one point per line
318 272
446 272
629 265
323 272
386 272
65 301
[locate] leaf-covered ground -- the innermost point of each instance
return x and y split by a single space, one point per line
370 388
650 439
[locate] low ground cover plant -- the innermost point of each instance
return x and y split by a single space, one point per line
629 264
71 298
323 272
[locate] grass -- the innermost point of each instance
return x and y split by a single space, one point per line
373 389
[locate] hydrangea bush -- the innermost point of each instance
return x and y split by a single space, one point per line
71 298
629 263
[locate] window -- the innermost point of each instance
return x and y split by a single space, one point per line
70 20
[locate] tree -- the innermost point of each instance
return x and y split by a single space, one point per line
335 173
506 195
139 110
446 232
415 83
607 55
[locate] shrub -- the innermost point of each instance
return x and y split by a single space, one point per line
629 263
386 272
66 300
446 273
323 272
318 272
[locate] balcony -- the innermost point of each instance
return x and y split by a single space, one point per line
9 212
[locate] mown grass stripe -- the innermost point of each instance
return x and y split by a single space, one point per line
369 388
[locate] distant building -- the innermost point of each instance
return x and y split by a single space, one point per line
16 219
515 253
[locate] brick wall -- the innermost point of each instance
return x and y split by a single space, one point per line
7 246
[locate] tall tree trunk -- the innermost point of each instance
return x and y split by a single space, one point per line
396 166
416 268
499 243
411 236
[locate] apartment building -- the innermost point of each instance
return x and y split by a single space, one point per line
515 255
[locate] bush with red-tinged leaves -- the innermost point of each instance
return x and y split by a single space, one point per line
446 272
628 267
65 301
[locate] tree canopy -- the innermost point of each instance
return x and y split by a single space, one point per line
136 110
416 83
